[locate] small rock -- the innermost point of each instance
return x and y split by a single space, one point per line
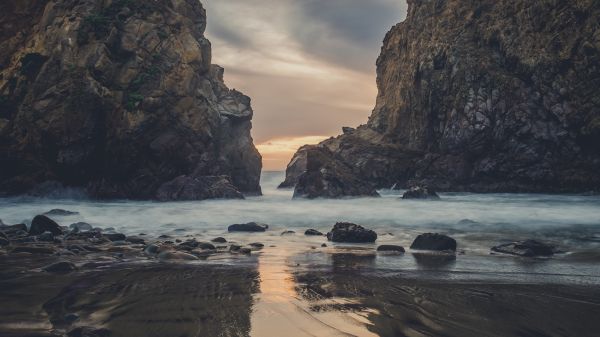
173 256
14 228
246 251
288 233
46 237
352 233
234 248
420 192
164 236
433 241
206 245
390 248
81 226
313 232
324 245
248 227
42 223
114 236
151 249
60 212
527 248
62 267
219 240
256 245
135 240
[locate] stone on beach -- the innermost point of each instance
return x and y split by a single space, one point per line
434 241
527 248
352 233
313 232
421 192
248 227
390 248
219 240
42 223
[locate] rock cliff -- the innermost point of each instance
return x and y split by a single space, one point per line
119 98
484 96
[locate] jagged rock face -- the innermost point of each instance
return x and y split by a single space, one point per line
485 96
118 97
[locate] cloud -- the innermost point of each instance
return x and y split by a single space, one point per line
308 65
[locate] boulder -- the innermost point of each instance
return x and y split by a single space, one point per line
390 248
434 241
60 212
313 232
81 226
62 267
256 245
42 223
420 192
219 240
352 233
327 177
114 236
527 248
248 227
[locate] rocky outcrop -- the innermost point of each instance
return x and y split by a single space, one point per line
484 96
325 176
118 98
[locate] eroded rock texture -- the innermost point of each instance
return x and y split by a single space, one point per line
484 96
118 98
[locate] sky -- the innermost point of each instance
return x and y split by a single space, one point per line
308 65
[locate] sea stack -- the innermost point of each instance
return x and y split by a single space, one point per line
119 99
482 96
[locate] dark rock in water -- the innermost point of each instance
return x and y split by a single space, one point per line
246 251
434 241
42 223
313 232
13 228
327 177
288 233
60 212
467 222
527 248
352 233
390 248
188 245
206 245
34 250
46 236
234 248
131 114
164 236
114 236
256 245
198 188
81 226
84 331
421 192
62 267
219 240
248 227
324 245
151 249
135 240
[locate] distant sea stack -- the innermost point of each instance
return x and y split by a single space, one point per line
482 96
119 98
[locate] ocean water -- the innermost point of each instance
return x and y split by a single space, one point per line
476 221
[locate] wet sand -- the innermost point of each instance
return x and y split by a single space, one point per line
295 288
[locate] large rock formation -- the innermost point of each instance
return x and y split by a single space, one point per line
119 98
484 96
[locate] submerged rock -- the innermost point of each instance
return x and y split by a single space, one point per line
288 233
248 227
62 267
219 240
352 233
527 248
312 232
60 212
390 248
421 192
256 245
42 223
434 241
